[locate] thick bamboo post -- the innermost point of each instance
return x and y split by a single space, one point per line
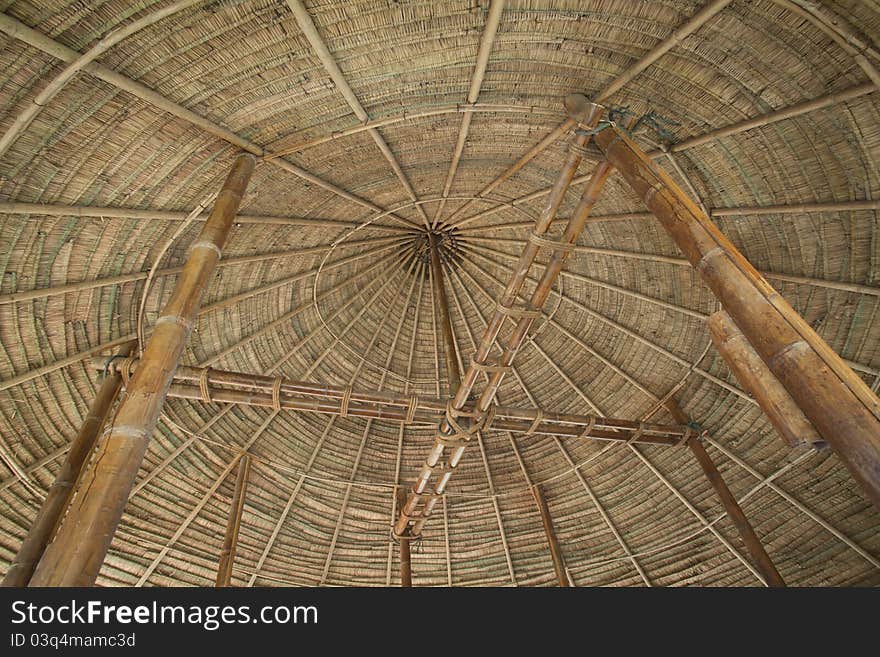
233 523
405 557
839 404
555 551
58 497
76 555
754 375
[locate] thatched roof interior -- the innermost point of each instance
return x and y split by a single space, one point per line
627 316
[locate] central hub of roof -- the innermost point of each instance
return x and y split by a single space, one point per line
448 243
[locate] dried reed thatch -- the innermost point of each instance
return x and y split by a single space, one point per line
417 108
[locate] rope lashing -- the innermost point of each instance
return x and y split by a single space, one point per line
126 369
637 434
589 430
517 311
534 426
346 398
490 366
276 394
688 433
203 385
411 408
541 241
461 435
110 362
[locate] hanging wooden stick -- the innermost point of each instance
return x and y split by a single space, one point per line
233 523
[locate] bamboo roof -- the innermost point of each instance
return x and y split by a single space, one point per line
371 122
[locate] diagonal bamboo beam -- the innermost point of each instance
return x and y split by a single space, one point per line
307 25
81 544
18 30
838 403
487 40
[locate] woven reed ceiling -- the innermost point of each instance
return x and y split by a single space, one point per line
627 318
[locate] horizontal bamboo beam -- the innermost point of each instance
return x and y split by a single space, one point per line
210 385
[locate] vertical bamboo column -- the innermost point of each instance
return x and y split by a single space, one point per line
754 375
58 497
555 551
233 523
76 555
744 528
405 558
839 404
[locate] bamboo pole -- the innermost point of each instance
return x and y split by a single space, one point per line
839 404
405 557
555 551
754 375
57 499
750 539
260 390
450 348
233 523
76 555
734 511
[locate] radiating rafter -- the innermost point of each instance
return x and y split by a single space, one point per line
490 29
307 25
19 30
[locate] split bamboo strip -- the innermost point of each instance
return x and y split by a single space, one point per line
76 555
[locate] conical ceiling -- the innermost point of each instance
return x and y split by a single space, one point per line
325 278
